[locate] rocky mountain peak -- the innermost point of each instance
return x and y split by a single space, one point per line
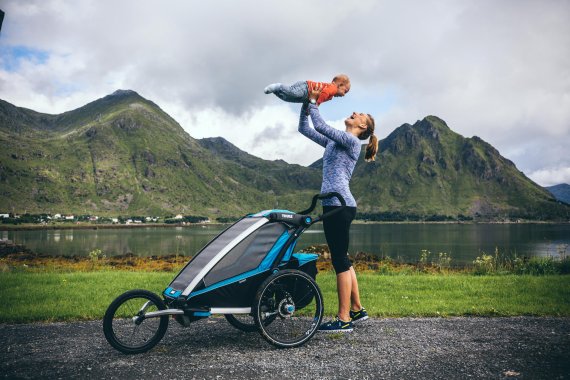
431 127
124 93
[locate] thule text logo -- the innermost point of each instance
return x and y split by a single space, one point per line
287 216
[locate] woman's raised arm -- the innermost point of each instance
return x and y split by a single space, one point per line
309 132
340 137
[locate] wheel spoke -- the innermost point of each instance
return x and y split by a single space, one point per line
289 292
121 330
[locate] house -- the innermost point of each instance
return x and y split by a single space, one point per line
115 220
69 217
57 216
93 218
4 215
179 216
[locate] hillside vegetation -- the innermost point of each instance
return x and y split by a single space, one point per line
123 155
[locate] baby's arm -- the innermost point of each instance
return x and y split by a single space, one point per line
343 138
309 132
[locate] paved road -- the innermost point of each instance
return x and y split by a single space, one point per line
490 348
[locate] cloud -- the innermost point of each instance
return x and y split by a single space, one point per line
270 131
499 70
550 177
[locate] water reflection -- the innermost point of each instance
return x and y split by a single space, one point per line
463 242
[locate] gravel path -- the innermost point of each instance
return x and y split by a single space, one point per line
522 347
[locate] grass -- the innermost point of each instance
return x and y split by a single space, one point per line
63 296
457 295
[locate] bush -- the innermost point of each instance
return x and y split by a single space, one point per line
484 264
536 266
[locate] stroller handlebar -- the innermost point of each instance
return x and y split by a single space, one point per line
302 218
328 214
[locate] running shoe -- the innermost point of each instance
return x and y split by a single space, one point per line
358 316
336 325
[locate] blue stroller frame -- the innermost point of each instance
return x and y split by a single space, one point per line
248 273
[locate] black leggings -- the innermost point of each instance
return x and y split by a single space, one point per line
336 232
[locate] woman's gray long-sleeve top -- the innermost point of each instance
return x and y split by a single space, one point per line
342 150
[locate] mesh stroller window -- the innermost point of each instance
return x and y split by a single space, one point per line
247 255
207 253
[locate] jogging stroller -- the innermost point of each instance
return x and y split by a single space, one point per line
248 273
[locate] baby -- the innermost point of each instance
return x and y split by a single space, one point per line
299 92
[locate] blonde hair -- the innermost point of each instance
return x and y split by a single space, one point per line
372 147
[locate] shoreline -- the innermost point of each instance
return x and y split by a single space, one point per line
15 257
32 227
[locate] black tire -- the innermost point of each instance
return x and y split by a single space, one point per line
130 336
282 300
243 322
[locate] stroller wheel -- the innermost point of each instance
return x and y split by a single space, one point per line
243 322
124 324
288 308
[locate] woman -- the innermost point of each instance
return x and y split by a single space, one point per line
342 150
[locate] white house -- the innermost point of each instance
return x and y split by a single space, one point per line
57 216
179 216
69 217
4 215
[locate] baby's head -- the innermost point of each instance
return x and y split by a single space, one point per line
342 83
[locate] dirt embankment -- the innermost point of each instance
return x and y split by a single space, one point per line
14 256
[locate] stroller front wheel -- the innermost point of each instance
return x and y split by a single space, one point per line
288 308
125 326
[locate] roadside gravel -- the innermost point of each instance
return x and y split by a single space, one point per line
521 347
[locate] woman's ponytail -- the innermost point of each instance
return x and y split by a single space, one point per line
371 149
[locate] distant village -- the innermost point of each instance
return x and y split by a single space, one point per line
44 219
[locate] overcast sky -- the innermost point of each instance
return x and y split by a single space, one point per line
496 69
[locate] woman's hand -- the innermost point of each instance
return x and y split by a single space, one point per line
315 93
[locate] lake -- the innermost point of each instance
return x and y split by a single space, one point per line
404 242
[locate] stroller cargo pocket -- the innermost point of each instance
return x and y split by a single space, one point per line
307 263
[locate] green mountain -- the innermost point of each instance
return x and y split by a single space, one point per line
427 169
560 192
278 176
123 155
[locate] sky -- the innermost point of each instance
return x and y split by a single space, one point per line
499 70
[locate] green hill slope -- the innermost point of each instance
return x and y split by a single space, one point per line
278 176
119 154
427 169
123 155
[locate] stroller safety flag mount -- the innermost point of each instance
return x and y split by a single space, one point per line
248 273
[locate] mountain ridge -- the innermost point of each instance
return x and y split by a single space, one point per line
560 192
123 154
